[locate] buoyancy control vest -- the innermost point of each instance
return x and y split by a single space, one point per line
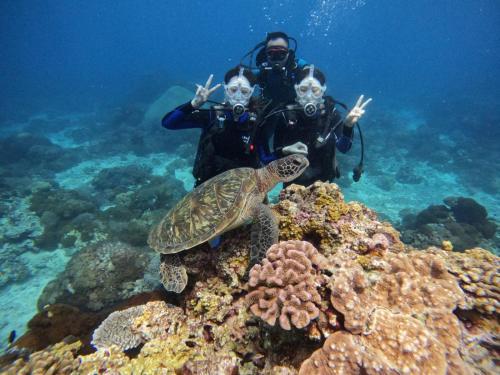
317 134
226 144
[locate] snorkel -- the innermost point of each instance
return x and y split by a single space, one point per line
309 93
238 92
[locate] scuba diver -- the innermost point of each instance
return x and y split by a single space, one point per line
275 66
229 132
313 126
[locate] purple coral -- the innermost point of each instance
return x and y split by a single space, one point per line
284 286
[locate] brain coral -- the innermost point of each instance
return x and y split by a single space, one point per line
284 286
117 329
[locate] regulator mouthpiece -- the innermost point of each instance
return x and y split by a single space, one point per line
310 109
238 109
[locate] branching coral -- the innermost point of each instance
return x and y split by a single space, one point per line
285 285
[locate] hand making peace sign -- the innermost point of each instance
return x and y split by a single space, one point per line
357 112
203 92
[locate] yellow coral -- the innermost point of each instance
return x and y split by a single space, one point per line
289 230
447 245
56 359
212 299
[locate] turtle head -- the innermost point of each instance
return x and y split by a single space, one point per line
288 168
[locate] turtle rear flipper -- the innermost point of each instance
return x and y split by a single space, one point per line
264 233
173 274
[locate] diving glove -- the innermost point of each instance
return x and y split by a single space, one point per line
296 148
203 92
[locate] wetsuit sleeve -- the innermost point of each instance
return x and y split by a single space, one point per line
343 135
263 145
186 116
265 156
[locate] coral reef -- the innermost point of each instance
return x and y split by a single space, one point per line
467 210
478 274
132 210
340 295
56 322
113 181
62 212
392 343
56 359
25 152
99 276
172 343
284 286
320 215
462 221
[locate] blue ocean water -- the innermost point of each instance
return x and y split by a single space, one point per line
78 77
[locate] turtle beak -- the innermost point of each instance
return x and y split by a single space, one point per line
295 166
300 163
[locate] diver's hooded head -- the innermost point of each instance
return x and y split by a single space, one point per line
277 48
239 85
309 89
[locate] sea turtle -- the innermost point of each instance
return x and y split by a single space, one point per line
220 204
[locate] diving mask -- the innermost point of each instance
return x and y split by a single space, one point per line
277 54
238 92
310 93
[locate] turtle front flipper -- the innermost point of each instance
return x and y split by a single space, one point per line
264 233
173 274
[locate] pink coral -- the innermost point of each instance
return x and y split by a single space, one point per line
285 285
478 274
416 284
391 343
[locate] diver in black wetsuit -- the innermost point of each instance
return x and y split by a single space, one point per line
276 66
313 126
229 136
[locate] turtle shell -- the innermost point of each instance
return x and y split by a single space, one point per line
209 210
